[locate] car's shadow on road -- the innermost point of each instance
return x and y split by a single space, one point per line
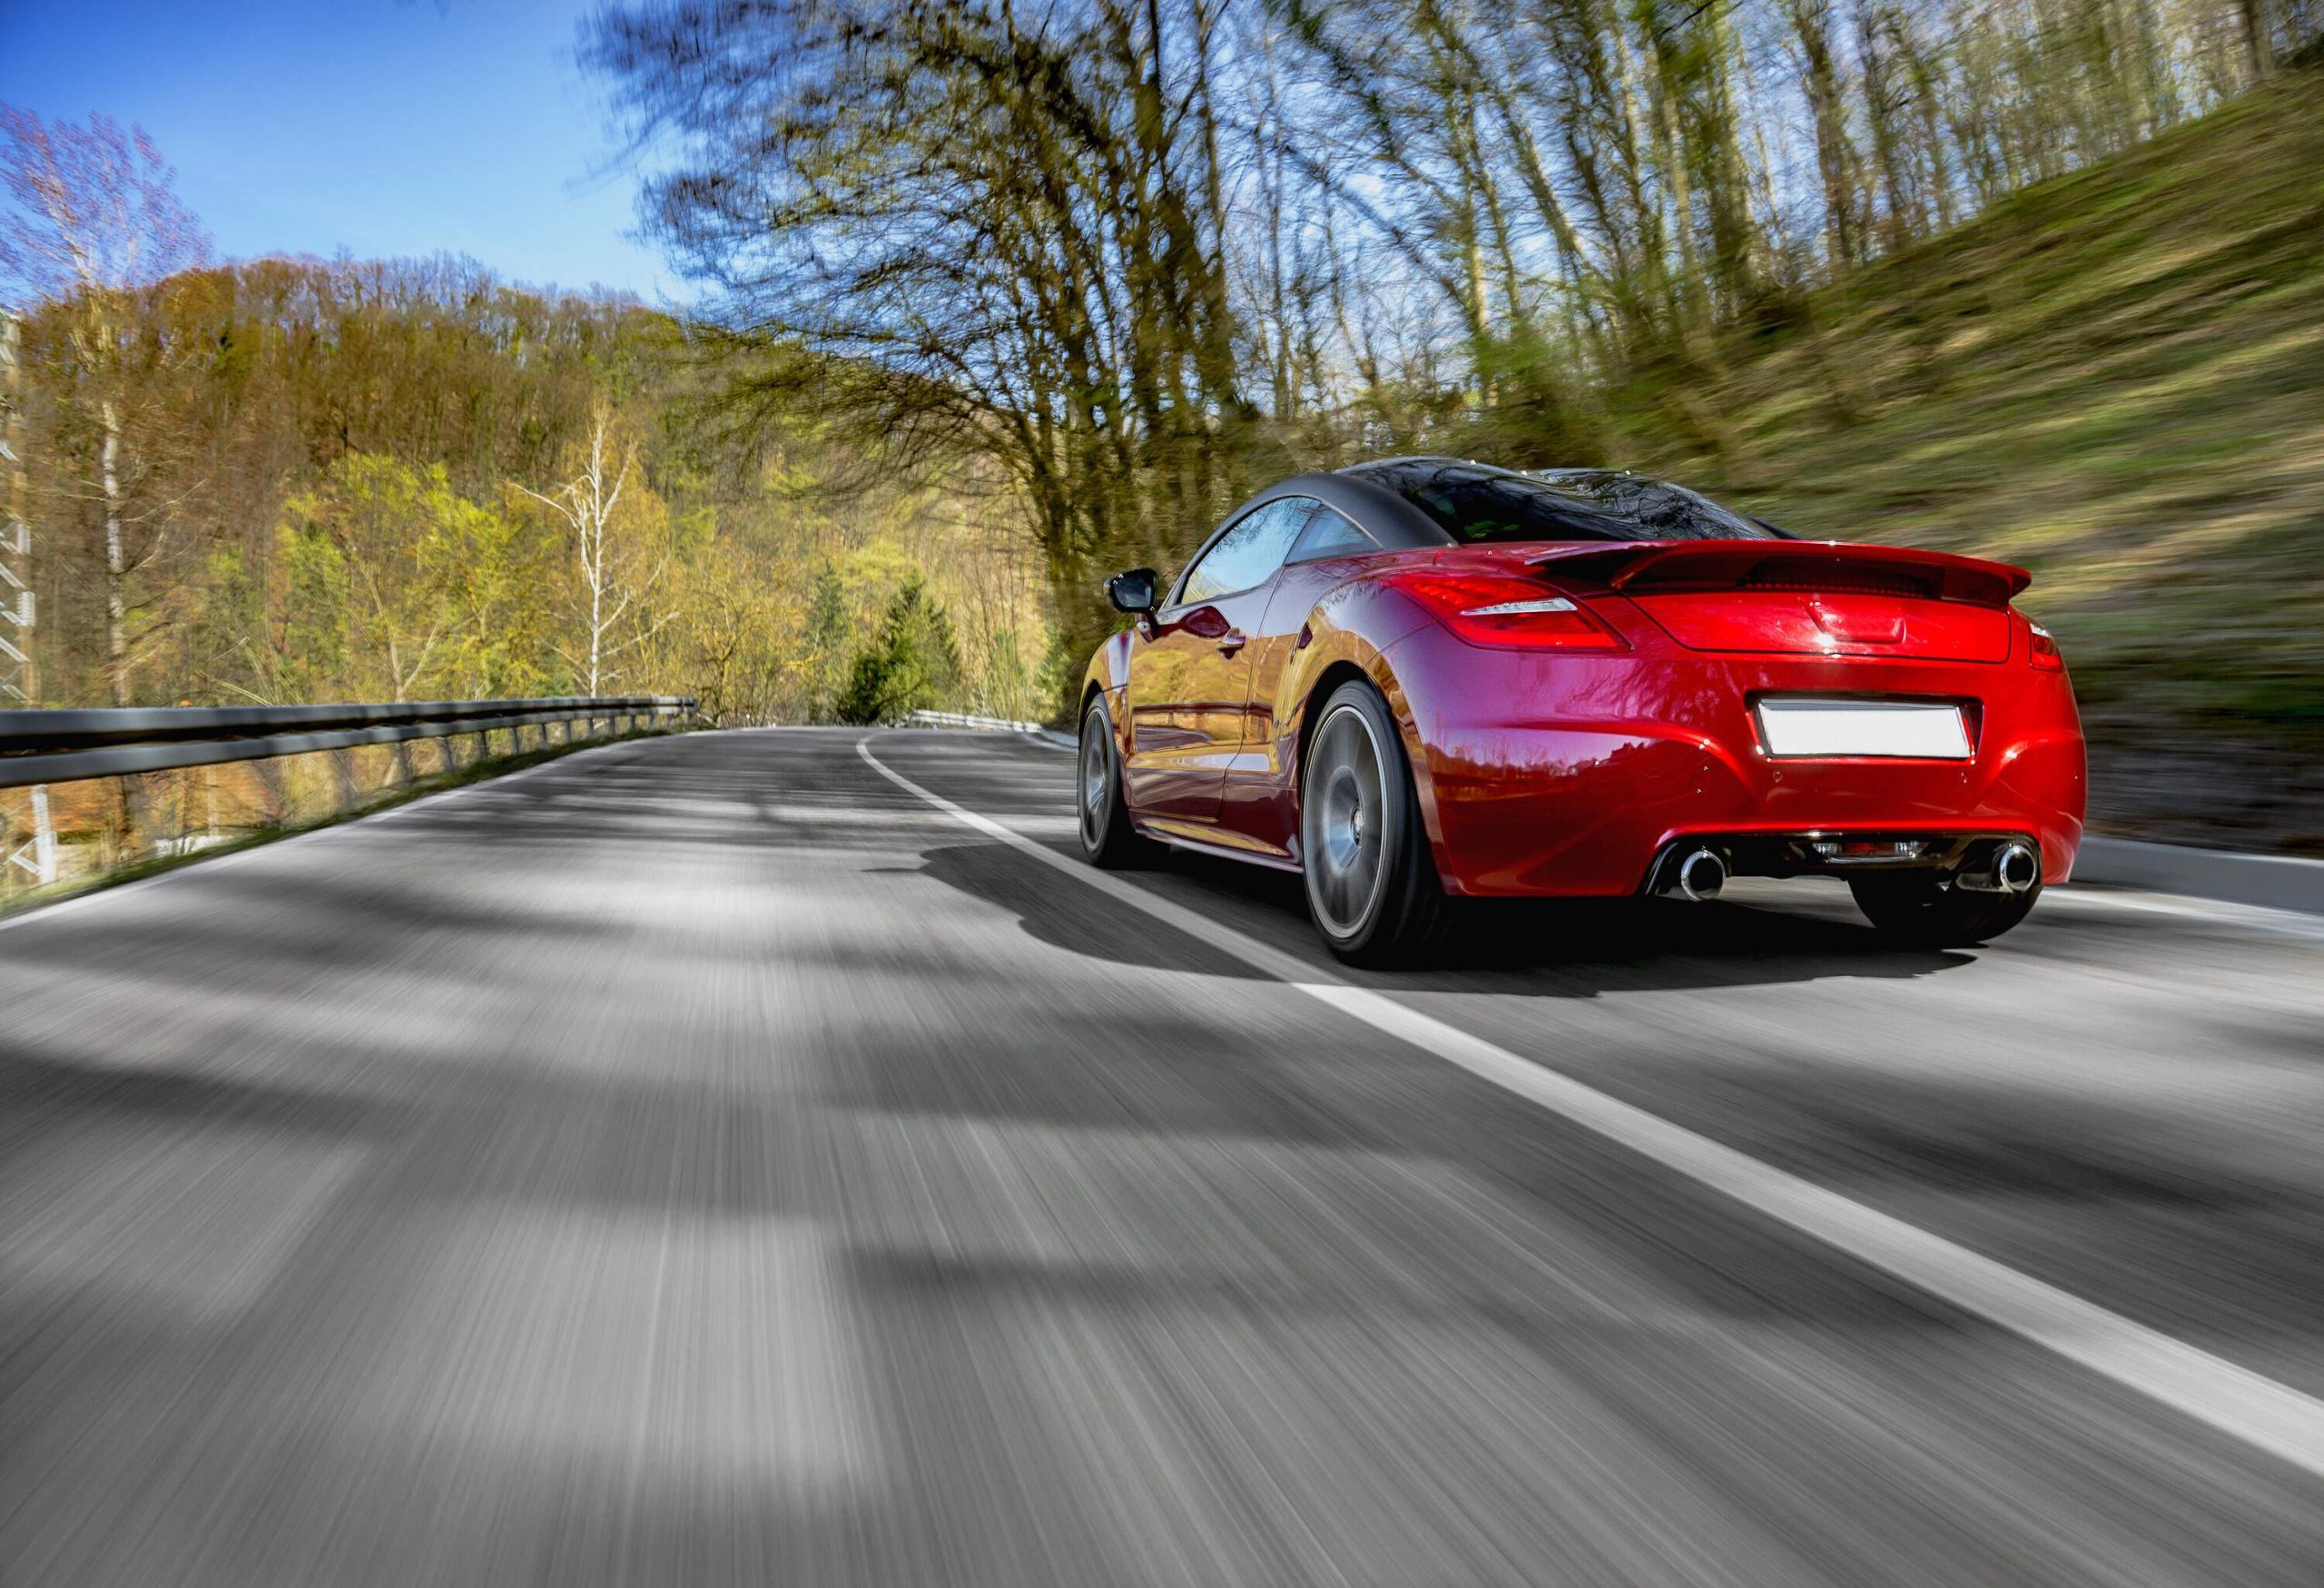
1546 949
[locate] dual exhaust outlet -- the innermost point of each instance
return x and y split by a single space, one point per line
2015 867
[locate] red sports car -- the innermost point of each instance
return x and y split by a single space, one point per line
1423 678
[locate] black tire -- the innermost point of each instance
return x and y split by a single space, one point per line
1108 840
1371 883
1915 907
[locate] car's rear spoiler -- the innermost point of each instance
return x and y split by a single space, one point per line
1644 567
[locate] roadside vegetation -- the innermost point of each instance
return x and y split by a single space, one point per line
2116 380
990 301
289 480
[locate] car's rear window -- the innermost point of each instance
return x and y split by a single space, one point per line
1477 505
1663 510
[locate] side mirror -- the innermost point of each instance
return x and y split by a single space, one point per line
1132 592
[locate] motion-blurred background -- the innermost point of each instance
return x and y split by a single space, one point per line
935 314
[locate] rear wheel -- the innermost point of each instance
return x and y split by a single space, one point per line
1371 885
1917 907
1107 839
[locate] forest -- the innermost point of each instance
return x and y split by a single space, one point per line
287 480
990 300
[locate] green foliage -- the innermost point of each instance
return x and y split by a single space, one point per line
329 476
830 624
391 584
1006 676
913 665
306 629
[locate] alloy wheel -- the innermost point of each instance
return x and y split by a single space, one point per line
1343 821
1096 780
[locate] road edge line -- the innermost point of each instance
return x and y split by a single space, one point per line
2268 1416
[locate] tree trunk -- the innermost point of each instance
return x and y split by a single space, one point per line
2256 30
116 558
1811 20
596 615
1880 120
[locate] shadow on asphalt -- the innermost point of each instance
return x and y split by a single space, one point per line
1553 949
37 1089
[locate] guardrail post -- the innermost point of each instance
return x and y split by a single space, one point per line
44 837
36 856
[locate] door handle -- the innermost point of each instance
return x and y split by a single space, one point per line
1233 640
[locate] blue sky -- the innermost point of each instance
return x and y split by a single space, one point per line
379 128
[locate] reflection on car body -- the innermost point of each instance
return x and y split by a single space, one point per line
1423 678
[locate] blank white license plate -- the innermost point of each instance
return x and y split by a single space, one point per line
1921 729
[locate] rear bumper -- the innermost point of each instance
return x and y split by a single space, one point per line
1564 776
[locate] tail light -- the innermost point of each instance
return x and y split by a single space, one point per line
1510 614
2046 656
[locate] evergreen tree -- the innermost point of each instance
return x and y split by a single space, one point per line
914 663
828 625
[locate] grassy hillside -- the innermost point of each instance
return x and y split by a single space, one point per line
2117 380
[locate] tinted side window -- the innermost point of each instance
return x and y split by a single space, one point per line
1248 554
1330 535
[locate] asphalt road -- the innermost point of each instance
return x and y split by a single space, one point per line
704 1160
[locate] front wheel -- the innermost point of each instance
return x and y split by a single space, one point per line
1372 884
1915 907
1108 840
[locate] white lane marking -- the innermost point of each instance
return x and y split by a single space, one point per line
2257 1410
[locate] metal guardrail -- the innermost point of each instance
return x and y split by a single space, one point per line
957 719
60 746
989 725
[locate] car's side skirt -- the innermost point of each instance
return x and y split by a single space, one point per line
1214 840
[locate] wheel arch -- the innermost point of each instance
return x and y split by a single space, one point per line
1108 676
1373 669
1310 704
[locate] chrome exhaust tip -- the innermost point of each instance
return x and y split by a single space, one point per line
2015 868
1701 875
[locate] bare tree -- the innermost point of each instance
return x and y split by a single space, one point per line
93 215
616 575
994 229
